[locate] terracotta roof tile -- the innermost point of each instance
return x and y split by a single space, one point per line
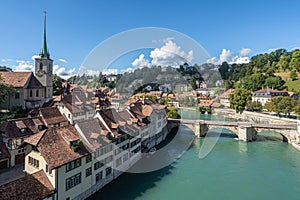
34 187
94 133
35 139
54 146
12 128
226 94
16 79
51 115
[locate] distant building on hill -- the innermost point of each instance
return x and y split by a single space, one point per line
264 95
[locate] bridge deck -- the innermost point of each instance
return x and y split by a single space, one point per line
236 124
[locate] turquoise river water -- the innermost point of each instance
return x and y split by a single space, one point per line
267 169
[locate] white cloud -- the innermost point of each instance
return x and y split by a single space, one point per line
23 66
110 71
6 60
245 52
62 60
226 56
129 69
170 54
35 56
63 72
141 61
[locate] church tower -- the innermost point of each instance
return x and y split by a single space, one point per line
44 67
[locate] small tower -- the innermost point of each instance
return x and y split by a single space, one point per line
44 67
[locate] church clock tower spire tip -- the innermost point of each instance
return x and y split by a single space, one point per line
44 51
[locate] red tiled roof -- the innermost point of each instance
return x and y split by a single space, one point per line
51 115
34 187
54 145
94 133
16 79
226 94
12 128
35 139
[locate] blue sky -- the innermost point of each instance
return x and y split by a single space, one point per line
74 28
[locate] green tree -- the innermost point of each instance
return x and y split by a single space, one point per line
295 61
164 101
5 90
217 91
281 104
254 106
297 108
57 85
173 113
293 75
284 62
253 82
224 69
269 106
193 83
149 96
239 99
287 105
274 82
278 107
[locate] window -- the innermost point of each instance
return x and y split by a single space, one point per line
9 143
73 164
33 162
119 161
41 66
108 171
73 181
125 157
88 158
108 159
88 172
17 95
30 93
97 165
99 176
48 169
37 93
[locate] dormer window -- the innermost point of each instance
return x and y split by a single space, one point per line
40 127
23 130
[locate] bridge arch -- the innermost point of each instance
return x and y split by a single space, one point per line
213 128
287 135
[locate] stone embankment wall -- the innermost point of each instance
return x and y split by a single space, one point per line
254 117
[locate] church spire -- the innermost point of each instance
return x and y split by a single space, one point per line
44 51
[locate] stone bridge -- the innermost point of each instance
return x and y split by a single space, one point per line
245 131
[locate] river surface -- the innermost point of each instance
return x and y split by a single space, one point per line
268 169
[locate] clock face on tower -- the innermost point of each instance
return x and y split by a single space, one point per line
40 72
